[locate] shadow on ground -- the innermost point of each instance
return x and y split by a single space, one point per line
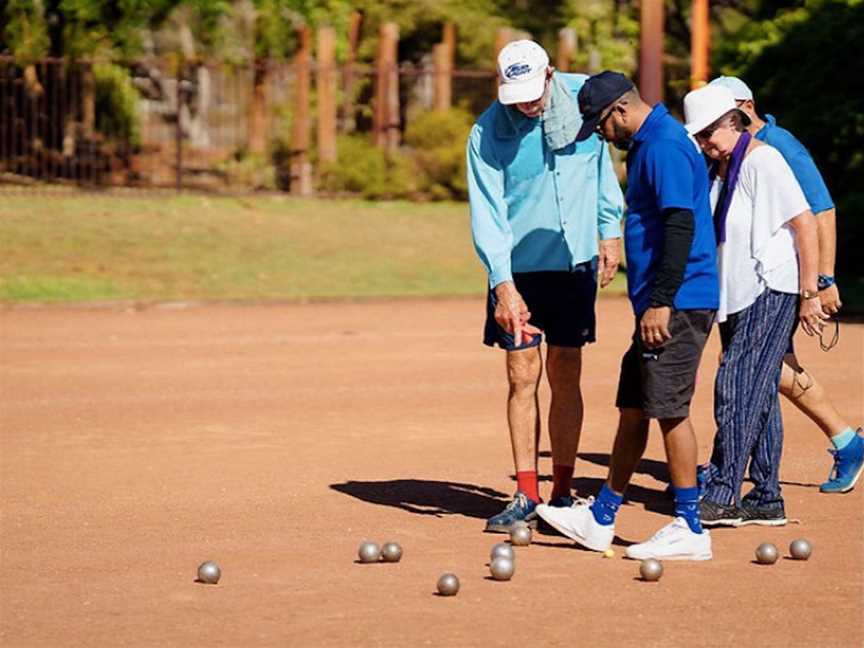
425 497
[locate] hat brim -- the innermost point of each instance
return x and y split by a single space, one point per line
589 126
697 127
522 91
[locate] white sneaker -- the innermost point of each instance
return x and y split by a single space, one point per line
675 541
578 523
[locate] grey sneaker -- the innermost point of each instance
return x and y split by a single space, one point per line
713 514
762 516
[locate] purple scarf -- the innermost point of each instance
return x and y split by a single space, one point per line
725 199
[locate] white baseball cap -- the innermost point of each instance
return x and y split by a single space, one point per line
740 90
704 106
521 72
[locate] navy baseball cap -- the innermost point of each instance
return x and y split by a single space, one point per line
598 92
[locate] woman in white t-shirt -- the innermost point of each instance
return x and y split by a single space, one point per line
767 259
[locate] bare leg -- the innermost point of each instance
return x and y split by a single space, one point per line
564 370
680 442
807 395
630 442
524 369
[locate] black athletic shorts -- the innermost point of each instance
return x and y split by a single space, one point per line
661 381
561 305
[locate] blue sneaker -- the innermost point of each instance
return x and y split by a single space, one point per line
848 466
518 510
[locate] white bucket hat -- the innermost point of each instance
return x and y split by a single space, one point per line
704 106
521 72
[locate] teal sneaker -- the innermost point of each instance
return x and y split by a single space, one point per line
848 466
518 510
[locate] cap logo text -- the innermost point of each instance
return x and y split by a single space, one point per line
517 70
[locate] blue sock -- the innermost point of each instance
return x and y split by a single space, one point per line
843 439
687 507
606 506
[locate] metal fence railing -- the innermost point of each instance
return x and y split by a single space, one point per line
160 124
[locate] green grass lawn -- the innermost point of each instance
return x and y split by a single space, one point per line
94 248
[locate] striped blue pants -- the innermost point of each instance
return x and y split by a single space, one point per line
746 402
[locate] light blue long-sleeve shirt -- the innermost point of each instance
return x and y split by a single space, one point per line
533 209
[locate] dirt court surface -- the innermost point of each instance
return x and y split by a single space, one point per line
273 439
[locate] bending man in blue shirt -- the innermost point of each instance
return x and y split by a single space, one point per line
796 383
673 287
539 203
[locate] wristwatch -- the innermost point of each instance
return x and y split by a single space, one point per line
825 281
808 294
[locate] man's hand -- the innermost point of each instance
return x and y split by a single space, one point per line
609 258
830 298
654 326
512 313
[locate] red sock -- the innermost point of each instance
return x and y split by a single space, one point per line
561 478
526 481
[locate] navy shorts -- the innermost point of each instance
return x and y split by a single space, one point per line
561 305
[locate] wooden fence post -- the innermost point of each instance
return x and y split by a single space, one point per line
257 127
503 36
326 83
443 55
348 121
301 173
566 49
386 114
700 44
651 51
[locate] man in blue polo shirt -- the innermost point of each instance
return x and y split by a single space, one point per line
796 383
673 287
539 203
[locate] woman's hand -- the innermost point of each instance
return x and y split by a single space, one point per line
811 315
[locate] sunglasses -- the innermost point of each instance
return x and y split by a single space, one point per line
706 133
600 124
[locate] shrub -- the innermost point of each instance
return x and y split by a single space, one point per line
116 104
437 140
363 168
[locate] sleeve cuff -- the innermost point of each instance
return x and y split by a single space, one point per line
500 276
610 230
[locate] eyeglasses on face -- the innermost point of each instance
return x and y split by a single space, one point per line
601 124
705 134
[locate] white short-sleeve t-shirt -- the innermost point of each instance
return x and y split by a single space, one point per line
759 251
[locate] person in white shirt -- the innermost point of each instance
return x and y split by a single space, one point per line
767 259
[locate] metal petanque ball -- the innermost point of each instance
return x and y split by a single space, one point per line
209 572
520 536
369 552
651 569
448 585
391 552
766 554
502 550
800 549
502 568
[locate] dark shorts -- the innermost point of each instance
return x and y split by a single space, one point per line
561 305
661 381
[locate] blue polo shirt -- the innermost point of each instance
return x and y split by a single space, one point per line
664 170
803 166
